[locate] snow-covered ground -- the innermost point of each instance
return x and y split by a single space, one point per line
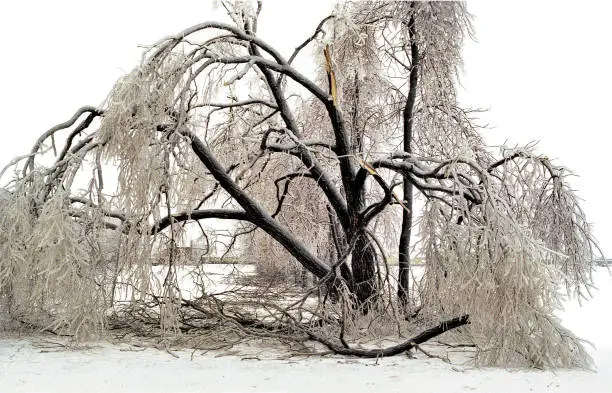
38 365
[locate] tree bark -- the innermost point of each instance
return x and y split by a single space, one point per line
364 272
364 259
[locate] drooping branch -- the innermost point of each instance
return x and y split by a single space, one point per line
281 196
80 128
413 173
62 126
108 213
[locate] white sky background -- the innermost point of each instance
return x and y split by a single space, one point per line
543 70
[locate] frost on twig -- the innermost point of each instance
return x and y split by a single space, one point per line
503 260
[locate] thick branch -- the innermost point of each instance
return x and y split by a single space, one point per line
222 214
255 213
396 349
295 149
335 198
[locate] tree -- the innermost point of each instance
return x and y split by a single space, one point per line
217 124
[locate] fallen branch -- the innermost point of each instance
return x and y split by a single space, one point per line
396 349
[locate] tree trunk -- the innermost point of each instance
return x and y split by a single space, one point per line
364 272
403 286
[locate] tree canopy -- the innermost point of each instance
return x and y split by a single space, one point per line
341 170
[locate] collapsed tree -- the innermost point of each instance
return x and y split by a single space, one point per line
217 124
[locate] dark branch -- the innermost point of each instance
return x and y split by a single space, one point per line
222 214
86 109
396 349
255 213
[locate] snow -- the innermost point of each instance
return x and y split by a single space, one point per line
215 278
36 364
